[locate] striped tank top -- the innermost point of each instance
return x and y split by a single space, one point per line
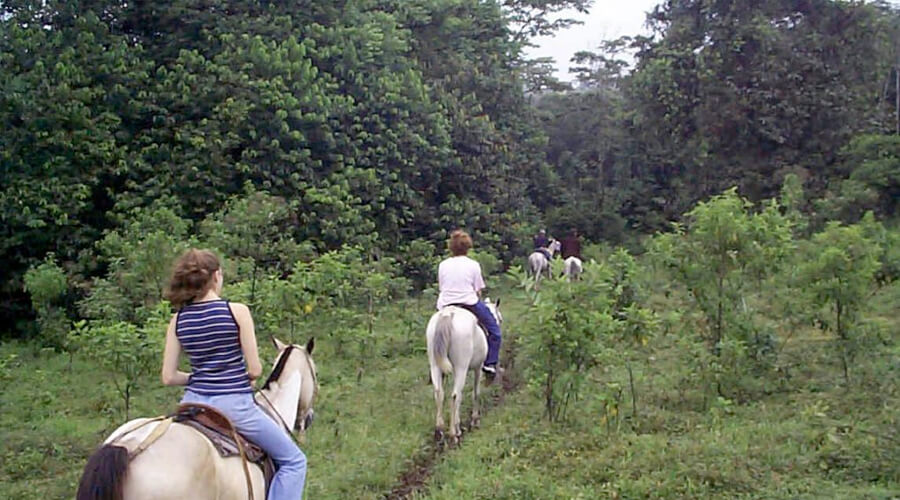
209 335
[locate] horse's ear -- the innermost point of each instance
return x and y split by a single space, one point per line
278 344
311 345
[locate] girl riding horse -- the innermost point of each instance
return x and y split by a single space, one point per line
219 339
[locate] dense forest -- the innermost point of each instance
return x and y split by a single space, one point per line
734 171
282 130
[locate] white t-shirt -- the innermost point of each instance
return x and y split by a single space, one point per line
459 280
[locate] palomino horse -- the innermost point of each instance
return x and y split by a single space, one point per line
538 263
456 343
573 268
182 463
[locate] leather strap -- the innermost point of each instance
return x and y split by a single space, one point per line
151 438
244 463
136 427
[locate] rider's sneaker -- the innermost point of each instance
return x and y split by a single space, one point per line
490 372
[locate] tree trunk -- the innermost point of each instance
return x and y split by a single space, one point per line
634 410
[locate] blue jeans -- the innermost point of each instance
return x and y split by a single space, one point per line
256 426
481 311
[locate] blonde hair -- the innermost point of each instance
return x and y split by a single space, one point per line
460 242
193 274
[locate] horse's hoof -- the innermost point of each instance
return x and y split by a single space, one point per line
474 423
438 435
454 441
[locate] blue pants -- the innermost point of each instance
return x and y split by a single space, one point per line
256 426
481 311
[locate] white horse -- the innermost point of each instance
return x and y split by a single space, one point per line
136 463
538 263
456 343
573 268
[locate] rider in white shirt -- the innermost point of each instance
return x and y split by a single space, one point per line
460 283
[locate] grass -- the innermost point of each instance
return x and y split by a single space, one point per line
372 418
804 436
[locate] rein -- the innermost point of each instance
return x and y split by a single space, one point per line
280 418
276 372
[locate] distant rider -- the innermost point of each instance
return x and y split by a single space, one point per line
542 244
571 245
460 283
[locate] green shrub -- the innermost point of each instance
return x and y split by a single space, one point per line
126 351
490 264
721 250
838 272
573 327
418 261
139 257
47 285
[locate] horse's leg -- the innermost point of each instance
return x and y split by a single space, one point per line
475 421
459 382
437 380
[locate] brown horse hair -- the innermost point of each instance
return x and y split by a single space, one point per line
279 367
104 474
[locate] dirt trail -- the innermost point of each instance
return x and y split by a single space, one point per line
413 479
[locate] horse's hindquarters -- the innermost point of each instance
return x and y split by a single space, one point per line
184 464
537 262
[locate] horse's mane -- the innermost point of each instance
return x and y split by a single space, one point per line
279 366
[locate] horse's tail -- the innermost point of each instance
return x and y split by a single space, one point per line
441 343
104 474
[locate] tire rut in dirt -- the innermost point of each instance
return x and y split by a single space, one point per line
414 478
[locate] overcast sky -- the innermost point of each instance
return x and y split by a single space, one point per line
607 20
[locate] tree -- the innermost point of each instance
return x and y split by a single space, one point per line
573 327
47 285
258 233
127 351
839 273
63 94
739 247
531 18
538 76
729 94
138 262
870 167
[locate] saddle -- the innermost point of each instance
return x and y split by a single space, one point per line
224 437
469 308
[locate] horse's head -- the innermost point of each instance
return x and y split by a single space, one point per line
554 246
296 361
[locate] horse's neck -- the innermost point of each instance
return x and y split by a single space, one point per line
283 397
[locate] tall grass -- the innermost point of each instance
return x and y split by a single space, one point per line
805 436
